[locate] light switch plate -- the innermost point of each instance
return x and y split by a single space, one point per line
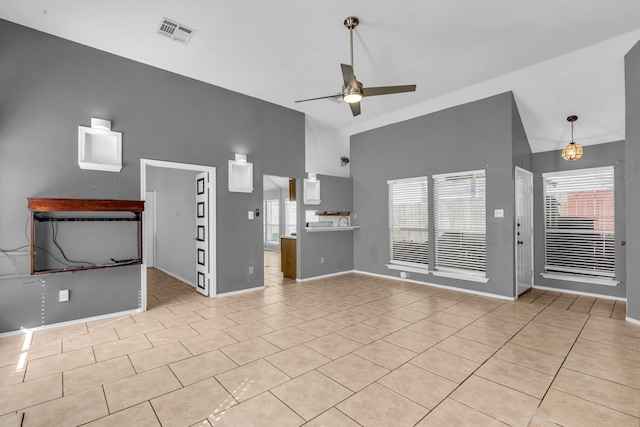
250 214
498 213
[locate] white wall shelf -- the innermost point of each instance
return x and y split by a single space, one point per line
99 149
240 176
311 191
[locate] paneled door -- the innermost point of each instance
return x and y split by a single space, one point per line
203 203
524 230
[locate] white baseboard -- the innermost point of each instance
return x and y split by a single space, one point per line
241 291
586 294
634 321
70 322
324 276
188 282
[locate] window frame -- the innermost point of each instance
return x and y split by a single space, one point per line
396 260
602 233
473 226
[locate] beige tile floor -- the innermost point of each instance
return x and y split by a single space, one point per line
351 350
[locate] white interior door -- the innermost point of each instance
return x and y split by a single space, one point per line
203 234
524 230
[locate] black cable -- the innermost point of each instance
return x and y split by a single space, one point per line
54 230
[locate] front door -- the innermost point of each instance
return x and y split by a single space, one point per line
524 230
203 202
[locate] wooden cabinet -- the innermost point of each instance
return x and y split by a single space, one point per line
84 234
288 257
292 190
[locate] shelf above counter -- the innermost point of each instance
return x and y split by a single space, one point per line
319 229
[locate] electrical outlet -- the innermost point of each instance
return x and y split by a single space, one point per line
322 260
251 269
403 275
63 295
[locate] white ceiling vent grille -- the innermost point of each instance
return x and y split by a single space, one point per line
175 31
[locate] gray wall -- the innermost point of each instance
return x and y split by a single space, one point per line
336 247
175 220
478 135
50 86
632 183
611 154
521 149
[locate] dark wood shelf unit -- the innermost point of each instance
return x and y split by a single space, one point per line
40 208
328 213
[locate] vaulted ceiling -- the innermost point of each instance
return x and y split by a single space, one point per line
558 57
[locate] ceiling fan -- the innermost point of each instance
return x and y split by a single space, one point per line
353 90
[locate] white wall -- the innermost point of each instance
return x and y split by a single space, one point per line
324 147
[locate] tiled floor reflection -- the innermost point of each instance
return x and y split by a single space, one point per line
350 350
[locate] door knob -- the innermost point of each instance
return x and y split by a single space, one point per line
520 242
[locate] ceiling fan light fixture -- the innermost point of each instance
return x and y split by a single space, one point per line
573 151
351 97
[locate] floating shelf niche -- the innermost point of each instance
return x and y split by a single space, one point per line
240 175
99 148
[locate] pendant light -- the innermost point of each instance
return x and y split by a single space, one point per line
572 151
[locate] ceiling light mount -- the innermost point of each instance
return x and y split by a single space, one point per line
351 22
573 151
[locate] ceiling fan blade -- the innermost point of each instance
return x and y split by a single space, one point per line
348 76
387 90
355 108
321 97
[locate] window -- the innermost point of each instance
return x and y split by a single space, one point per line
580 222
409 222
460 223
290 220
272 221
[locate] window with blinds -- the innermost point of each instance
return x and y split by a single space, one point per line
409 222
580 222
460 223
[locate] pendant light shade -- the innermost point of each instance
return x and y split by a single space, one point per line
572 151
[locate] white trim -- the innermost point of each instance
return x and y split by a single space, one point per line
461 276
71 322
192 284
581 279
445 175
414 179
241 291
212 218
324 276
452 288
401 267
630 320
587 294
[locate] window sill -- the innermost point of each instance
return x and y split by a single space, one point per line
417 270
581 279
461 276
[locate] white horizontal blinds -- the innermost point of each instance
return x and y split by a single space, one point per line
460 222
409 221
580 222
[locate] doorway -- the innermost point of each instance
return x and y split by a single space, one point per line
190 187
524 230
279 221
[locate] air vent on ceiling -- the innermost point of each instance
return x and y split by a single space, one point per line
175 31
